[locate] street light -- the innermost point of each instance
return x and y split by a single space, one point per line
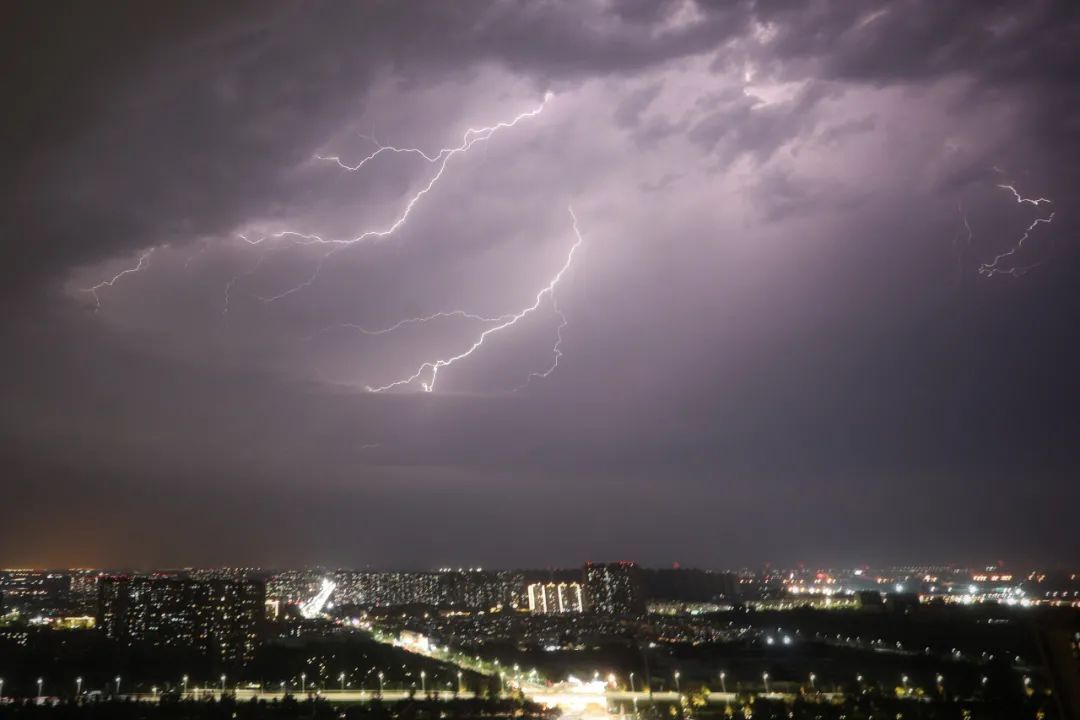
341 679
380 683
39 683
423 682
765 680
283 688
812 678
678 690
78 686
632 683
904 679
459 685
185 681
303 683
1 688
117 681
723 681
223 684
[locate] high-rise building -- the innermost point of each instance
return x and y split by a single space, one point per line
614 589
84 591
549 598
220 618
466 588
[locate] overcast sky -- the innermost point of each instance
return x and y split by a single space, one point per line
786 333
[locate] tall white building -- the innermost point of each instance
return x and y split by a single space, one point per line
555 598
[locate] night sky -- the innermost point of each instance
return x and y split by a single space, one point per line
780 339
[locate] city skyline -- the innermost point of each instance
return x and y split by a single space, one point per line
599 641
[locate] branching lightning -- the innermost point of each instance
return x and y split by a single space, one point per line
430 369
991 268
426 375
556 349
440 159
994 267
138 267
1021 199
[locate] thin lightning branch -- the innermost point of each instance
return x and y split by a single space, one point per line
967 225
556 349
440 159
235 278
1021 199
432 367
93 290
297 288
471 136
382 149
960 251
413 321
991 268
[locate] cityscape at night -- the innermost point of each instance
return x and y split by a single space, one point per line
607 639
539 360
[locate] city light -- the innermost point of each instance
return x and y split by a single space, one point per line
421 631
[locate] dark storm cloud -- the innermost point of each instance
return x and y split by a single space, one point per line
191 117
735 124
839 131
768 352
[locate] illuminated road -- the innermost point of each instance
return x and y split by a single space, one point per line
571 702
349 695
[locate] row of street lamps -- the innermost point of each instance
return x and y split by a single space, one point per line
904 679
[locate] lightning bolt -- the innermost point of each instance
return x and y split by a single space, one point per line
336 159
1021 199
93 289
440 159
431 368
993 267
471 137
421 320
